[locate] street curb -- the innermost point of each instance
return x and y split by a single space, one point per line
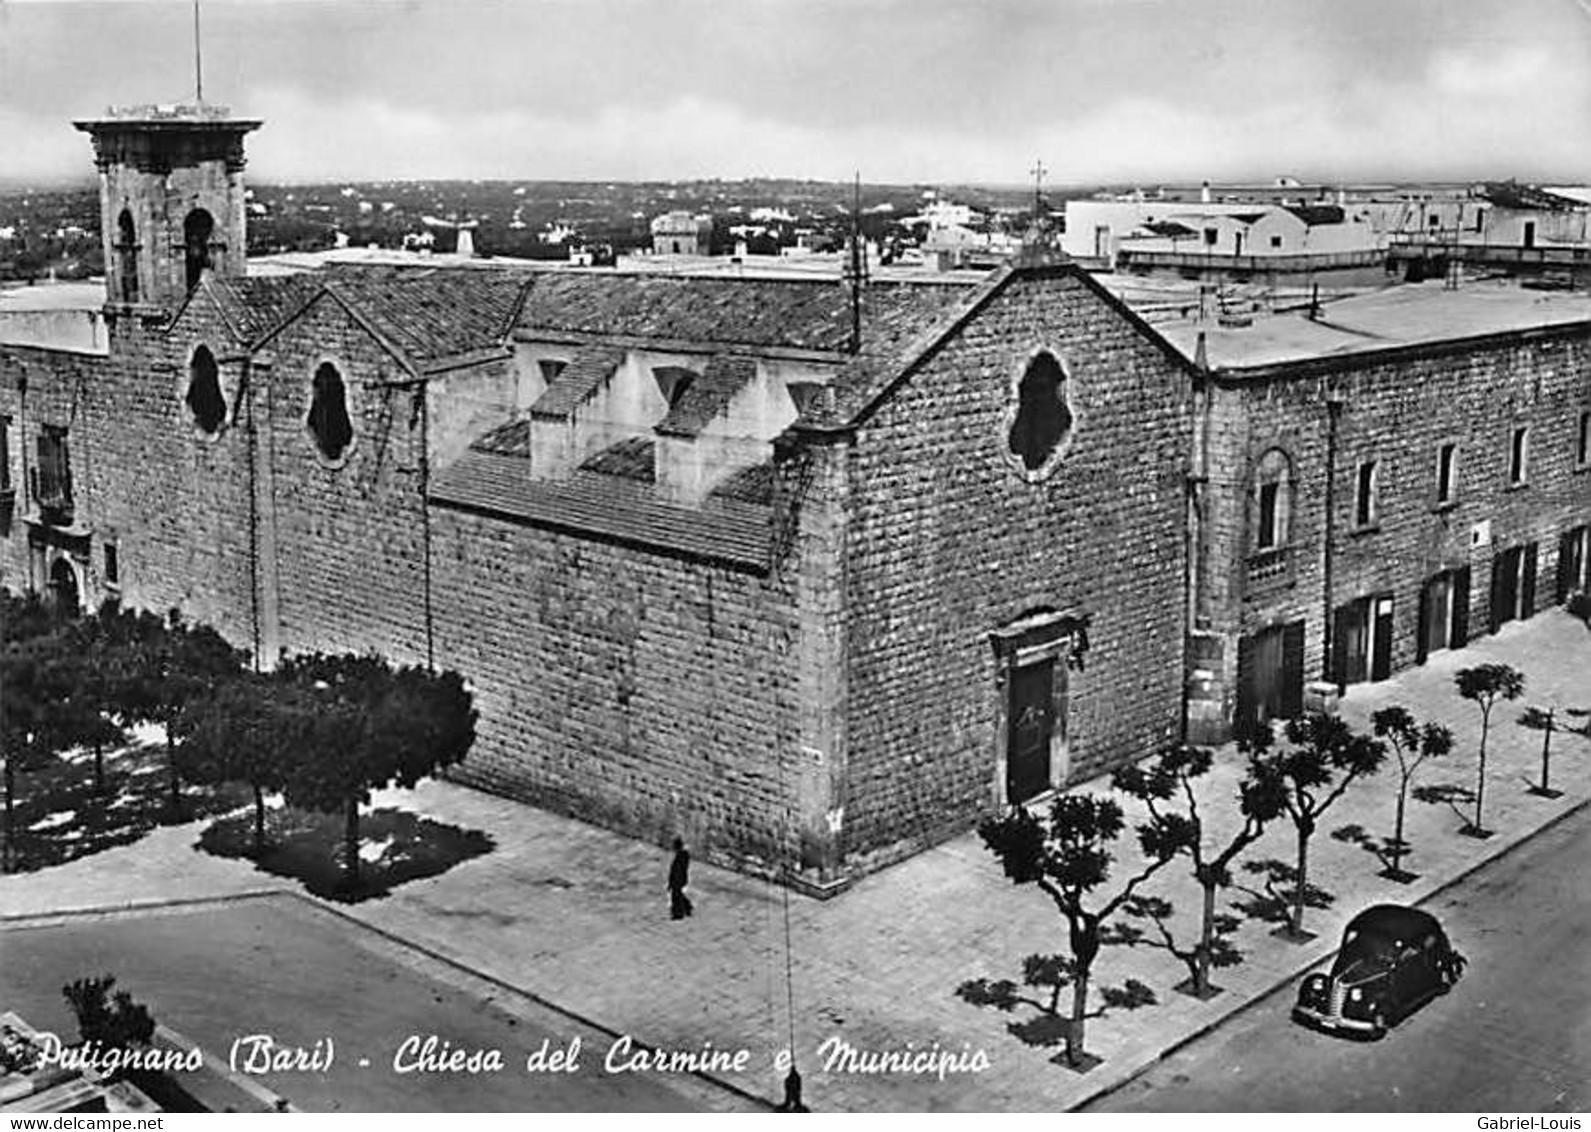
88 911
487 977
1144 1066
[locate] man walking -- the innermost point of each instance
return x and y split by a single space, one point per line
679 905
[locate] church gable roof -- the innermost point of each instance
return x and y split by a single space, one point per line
796 314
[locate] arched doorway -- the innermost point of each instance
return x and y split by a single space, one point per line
63 585
196 231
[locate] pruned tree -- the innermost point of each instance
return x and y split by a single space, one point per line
1273 902
1412 745
1045 977
1548 723
1323 757
364 726
91 674
1166 784
1485 685
249 729
1067 855
1215 948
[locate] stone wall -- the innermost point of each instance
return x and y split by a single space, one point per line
644 692
1397 408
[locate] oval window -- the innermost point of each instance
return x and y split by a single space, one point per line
204 398
328 413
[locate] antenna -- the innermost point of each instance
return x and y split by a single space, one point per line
198 58
1038 172
856 266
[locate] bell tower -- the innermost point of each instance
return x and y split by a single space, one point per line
171 199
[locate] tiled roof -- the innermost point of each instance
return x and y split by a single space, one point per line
614 508
577 381
633 458
807 314
708 395
511 439
432 313
257 305
752 485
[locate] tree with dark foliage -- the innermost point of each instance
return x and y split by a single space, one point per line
1166 786
110 1021
250 729
1066 854
1485 685
1323 757
1411 745
364 725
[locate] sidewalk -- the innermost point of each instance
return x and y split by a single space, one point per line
579 917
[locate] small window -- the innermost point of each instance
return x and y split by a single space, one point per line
127 256
5 454
1518 456
1582 443
1210 236
1267 525
673 381
1364 507
1276 241
204 392
113 573
52 477
551 368
328 413
1446 471
196 232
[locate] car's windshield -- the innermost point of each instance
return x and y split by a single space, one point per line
1364 954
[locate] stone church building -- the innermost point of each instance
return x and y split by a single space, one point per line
720 562
715 563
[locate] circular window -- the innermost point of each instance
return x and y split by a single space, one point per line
328 413
204 398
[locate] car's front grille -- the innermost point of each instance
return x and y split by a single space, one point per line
1336 994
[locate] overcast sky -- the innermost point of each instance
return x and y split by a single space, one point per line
903 90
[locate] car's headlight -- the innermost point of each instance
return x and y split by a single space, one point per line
1355 995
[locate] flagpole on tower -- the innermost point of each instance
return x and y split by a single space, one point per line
198 58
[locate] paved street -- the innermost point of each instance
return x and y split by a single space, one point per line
281 967
1514 1035
578 917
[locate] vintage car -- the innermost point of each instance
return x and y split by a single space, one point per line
1392 960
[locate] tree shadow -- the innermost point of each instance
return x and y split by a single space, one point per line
395 847
61 816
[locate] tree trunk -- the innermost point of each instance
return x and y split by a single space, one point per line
1201 976
1085 946
99 769
1305 829
1397 829
259 821
171 765
351 845
8 850
1546 753
1074 1032
1480 777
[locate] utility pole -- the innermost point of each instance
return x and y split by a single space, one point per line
856 266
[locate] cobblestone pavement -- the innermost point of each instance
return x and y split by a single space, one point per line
579 917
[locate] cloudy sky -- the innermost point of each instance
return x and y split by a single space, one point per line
903 90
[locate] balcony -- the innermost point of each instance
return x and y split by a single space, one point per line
1267 569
